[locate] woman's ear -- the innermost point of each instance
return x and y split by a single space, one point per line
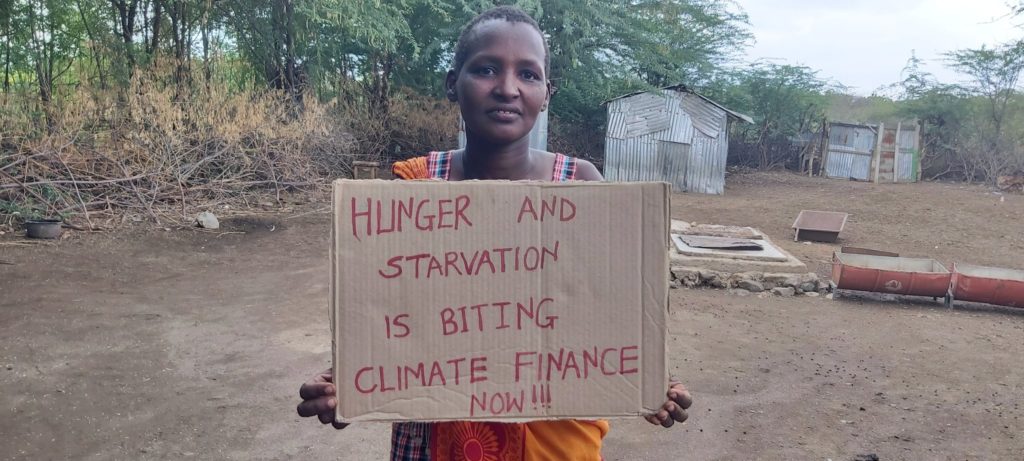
449 86
547 96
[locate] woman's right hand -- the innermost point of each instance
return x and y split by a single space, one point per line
319 398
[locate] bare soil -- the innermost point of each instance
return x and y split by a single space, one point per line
184 344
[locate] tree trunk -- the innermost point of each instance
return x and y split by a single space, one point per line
182 39
7 60
126 11
93 47
207 70
154 45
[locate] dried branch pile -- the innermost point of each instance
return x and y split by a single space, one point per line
154 157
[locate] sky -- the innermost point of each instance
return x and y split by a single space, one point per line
864 44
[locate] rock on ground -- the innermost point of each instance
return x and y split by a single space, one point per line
207 220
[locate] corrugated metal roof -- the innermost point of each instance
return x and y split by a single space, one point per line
685 89
679 154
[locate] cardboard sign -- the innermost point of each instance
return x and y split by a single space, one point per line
496 300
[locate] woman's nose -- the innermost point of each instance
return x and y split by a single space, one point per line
507 86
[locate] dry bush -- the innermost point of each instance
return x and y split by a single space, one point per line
144 151
421 123
576 140
413 125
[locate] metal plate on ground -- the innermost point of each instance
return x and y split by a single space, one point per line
768 252
720 243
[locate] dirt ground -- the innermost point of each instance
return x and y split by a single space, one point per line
184 344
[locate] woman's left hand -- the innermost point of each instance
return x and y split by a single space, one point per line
674 409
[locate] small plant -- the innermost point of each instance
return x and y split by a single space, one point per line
27 211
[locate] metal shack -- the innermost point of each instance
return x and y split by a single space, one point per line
858 152
672 134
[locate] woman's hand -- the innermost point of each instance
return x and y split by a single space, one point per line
319 398
674 409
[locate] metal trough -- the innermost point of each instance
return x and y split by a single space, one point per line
885 274
991 285
819 226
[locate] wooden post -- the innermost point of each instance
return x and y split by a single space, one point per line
896 153
877 157
826 133
919 148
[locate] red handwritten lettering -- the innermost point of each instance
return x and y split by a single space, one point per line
398 324
564 364
561 207
477 365
485 316
359 214
462 263
604 362
623 358
359 387
497 403
442 212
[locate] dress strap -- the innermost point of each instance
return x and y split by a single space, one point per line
439 164
565 168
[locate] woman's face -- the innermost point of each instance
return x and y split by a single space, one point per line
502 86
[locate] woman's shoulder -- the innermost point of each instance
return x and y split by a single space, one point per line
584 169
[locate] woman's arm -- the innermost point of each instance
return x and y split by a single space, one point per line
586 171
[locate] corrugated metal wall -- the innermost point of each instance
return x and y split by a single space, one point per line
850 149
652 137
907 154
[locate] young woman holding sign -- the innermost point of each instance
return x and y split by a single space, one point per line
499 81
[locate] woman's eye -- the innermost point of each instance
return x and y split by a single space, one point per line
530 75
485 71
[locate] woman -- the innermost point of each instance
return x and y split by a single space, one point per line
499 81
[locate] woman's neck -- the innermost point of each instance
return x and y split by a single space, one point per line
512 162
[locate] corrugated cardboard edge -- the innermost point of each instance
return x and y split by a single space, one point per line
334 300
654 292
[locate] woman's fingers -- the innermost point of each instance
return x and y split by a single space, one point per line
661 417
680 396
313 390
677 413
317 406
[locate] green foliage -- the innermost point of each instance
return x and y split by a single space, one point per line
785 101
377 57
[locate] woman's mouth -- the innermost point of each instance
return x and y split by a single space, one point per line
503 115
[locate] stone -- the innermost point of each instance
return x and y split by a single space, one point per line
808 286
738 292
812 294
783 291
689 278
777 280
207 220
736 278
829 296
752 286
714 279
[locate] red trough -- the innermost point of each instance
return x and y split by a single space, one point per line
992 285
895 275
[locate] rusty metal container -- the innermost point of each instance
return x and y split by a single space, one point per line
819 226
992 285
886 274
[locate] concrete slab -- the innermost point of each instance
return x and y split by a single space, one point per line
768 253
771 259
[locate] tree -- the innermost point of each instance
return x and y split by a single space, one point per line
784 100
994 75
54 36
